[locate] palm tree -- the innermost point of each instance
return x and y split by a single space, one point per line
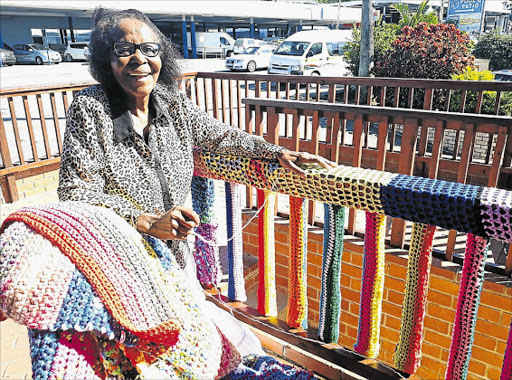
409 18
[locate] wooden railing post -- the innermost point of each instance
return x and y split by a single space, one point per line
215 100
357 141
405 166
4 146
248 128
465 159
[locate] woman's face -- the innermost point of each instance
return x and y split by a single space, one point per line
137 74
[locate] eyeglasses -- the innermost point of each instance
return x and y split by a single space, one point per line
125 49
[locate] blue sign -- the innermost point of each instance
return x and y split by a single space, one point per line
466 15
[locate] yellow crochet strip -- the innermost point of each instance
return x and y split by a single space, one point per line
269 260
373 351
408 350
380 235
342 185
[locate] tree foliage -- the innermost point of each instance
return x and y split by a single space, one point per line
383 37
497 48
426 51
384 34
409 18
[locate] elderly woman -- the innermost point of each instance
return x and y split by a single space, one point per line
129 141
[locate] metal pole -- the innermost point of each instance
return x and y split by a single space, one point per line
193 43
338 19
71 29
184 36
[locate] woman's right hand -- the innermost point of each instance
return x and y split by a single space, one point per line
175 224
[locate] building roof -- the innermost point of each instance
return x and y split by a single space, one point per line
232 13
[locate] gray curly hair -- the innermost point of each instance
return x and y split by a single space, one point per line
105 21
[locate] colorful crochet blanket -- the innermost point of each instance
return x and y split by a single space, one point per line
80 276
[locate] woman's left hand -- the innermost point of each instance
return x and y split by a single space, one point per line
290 160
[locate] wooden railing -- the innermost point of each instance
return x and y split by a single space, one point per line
30 142
377 194
402 133
330 140
379 116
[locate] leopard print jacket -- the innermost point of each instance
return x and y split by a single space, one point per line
105 162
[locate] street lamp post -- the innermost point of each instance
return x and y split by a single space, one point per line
338 18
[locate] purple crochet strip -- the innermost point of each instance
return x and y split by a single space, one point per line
207 255
496 211
506 371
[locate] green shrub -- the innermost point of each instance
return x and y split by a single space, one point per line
497 48
488 97
383 37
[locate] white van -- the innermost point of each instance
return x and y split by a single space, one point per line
213 44
312 52
243 43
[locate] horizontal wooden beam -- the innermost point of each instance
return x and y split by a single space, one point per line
42 166
441 84
307 340
392 112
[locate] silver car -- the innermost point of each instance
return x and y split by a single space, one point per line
76 51
36 53
7 57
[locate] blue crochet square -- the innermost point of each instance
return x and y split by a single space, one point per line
441 203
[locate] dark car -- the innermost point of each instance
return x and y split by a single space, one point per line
35 53
503 75
7 57
61 48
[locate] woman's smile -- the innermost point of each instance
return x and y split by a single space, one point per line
137 74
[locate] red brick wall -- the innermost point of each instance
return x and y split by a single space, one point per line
494 314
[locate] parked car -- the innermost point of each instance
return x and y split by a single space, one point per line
36 53
503 75
76 51
61 48
243 43
7 57
251 59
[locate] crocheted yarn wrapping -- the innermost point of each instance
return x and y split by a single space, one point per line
266 367
497 213
50 257
471 284
330 295
297 316
408 350
372 286
236 281
247 171
466 208
267 297
70 355
506 369
206 253
434 202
